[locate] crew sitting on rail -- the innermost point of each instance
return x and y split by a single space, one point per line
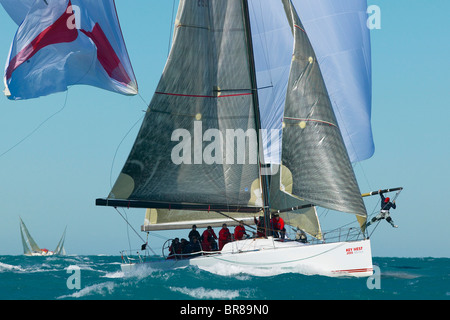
175 249
194 246
208 240
224 236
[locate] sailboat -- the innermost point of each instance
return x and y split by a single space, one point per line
238 129
30 247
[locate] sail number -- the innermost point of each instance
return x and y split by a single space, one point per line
202 3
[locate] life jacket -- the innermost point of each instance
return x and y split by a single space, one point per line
224 234
277 225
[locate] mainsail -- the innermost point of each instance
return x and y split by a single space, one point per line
29 245
203 101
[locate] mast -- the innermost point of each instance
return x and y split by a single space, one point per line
254 88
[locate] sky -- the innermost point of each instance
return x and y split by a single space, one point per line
61 152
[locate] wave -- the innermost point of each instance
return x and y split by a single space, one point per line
8 267
4 267
114 275
96 289
223 269
203 293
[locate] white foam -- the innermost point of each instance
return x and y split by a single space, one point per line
223 269
203 293
114 275
9 267
100 288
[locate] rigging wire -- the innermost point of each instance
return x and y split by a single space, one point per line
110 178
171 28
118 147
37 128
123 139
128 223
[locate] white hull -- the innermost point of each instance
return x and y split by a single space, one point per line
270 257
38 254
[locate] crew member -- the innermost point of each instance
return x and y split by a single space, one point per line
278 226
386 205
239 231
224 236
208 237
194 233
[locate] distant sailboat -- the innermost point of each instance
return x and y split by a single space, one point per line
30 247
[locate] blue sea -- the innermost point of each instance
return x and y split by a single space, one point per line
100 278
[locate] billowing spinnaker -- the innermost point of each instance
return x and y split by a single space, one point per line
63 43
17 9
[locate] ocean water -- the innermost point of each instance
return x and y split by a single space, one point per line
100 278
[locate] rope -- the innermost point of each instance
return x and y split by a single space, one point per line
118 147
37 128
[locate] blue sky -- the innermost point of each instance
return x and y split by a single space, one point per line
53 177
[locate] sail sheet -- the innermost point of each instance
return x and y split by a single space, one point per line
312 146
186 151
341 40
